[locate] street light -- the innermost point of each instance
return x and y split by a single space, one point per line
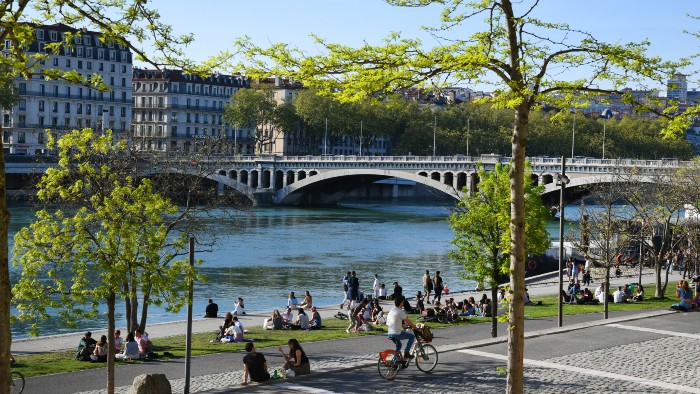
606 114
573 136
434 127
562 180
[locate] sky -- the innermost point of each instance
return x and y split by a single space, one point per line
217 23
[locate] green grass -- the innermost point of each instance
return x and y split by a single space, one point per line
174 347
549 305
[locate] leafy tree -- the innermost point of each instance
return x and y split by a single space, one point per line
482 231
519 53
254 109
657 200
115 243
128 22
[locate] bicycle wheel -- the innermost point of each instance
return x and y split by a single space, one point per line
17 383
389 366
426 357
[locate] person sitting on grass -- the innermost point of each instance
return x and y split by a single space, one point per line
239 308
302 321
316 323
274 322
254 366
145 345
382 292
686 296
85 347
287 317
619 297
100 352
131 349
638 294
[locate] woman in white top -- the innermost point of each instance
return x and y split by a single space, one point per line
239 308
131 349
292 301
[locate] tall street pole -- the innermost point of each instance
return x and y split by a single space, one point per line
563 180
325 138
188 342
573 136
434 127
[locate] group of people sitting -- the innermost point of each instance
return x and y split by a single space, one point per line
685 294
281 321
136 346
623 294
255 365
231 330
365 315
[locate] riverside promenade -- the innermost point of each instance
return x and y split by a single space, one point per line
585 347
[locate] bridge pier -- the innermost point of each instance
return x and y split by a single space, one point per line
262 197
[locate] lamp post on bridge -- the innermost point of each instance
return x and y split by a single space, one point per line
562 180
606 114
573 135
434 127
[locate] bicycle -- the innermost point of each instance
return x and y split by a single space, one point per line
16 382
426 357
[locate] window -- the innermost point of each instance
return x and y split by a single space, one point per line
54 121
79 109
79 123
41 122
68 91
100 54
173 131
124 82
123 69
112 67
40 34
160 116
6 137
54 107
89 65
123 112
111 81
174 117
111 110
22 88
112 55
189 119
21 137
88 109
123 97
80 64
110 44
22 105
124 57
22 120
80 51
67 108
54 36
67 63
66 122
86 40
41 105
6 119
88 53
42 47
102 66
55 62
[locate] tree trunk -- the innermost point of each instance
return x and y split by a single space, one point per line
111 301
516 315
494 295
127 306
606 291
657 277
5 288
144 307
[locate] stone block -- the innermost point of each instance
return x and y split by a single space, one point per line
155 383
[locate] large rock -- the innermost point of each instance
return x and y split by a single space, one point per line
153 383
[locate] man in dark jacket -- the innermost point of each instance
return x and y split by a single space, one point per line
212 309
85 347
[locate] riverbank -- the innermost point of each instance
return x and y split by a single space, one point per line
541 285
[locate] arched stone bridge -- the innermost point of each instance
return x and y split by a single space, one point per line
324 180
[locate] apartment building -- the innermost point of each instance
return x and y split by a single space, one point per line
175 111
61 106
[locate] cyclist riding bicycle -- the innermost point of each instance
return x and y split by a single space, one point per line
395 320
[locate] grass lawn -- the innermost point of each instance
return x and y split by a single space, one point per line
174 347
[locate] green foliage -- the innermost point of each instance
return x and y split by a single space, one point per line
110 232
481 224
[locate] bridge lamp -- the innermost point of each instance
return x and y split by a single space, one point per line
562 181
606 114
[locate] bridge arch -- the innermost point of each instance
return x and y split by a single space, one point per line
329 187
220 176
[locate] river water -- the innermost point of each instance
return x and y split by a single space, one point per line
264 254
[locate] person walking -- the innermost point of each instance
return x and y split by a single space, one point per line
346 281
437 286
353 289
427 286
